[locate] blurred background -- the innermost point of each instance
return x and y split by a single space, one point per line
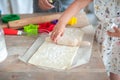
16 6
26 7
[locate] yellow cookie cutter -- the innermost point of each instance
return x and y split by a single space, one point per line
72 21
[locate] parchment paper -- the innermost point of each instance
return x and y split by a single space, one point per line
83 53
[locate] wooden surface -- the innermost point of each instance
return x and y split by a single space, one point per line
13 69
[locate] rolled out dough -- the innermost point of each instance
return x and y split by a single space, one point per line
60 57
71 37
54 56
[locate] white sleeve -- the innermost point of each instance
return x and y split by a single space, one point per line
4 7
22 6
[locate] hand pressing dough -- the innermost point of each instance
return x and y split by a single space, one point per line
71 37
55 56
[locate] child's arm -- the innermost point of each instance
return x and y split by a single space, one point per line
74 8
114 34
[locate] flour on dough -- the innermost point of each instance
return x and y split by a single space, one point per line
51 55
71 37
54 56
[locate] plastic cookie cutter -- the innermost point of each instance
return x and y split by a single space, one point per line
31 29
72 21
46 27
10 17
54 21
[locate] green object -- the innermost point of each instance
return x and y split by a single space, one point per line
0 13
31 29
10 17
51 1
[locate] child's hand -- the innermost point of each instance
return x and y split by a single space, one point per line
57 32
45 4
114 34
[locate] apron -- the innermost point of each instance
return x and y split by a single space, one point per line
108 14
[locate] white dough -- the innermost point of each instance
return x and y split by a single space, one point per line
54 56
51 55
71 37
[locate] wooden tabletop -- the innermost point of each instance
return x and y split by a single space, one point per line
14 69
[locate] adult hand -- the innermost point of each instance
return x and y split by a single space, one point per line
45 4
114 34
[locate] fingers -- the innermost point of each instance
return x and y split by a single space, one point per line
45 5
116 29
114 34
56 35
62 34
57 32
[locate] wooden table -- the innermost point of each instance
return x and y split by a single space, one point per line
14 69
